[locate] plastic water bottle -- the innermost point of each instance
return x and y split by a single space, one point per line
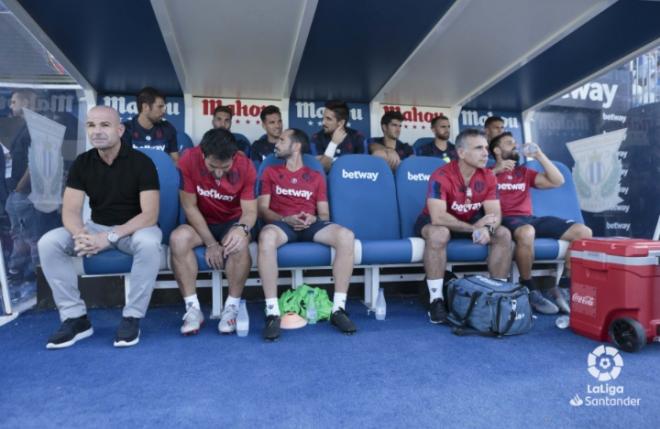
530 149
242 320
311 308
381 305
562 321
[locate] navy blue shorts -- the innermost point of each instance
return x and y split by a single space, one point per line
423 220
306 234
546 226
219 230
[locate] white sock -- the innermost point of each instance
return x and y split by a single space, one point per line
338 301
435 288
232 301
192 301
502 280
272 307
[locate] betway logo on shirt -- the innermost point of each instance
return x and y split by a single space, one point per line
150 146
512 186
359 175
464 208
419 177
212 193
299 193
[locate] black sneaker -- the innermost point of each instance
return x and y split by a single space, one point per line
128 333
340 319
70 331
437 311
272 329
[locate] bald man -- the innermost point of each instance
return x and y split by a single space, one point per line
123 189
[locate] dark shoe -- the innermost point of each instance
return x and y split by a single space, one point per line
128 333
272 329
437 311
70 332
340 319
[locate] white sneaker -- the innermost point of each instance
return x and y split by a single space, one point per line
192 321
227 323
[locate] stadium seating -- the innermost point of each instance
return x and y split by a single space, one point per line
417 146
183 141
367 198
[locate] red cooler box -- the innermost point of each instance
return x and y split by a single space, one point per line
615 290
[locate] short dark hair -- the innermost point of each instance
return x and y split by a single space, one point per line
340 108
492 119
496 140
299 136
469 132
438 118
225 109
269 110
391 116
218 143
148 95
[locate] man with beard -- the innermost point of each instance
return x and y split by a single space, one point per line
514 183
294 204
389 147
149 129
217 196
440 147
335 139
461 202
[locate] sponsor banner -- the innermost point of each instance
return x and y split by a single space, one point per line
477 118
611 93
48 102
308 116
245 119
416 120
127 107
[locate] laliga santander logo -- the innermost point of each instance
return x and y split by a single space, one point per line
605 363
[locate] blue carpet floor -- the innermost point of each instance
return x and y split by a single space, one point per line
402 372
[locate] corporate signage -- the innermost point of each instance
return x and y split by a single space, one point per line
308 116
245 119
477 118
416 120
127 107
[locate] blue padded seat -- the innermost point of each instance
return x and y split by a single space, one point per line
183 141
561 202
412 178
293 254
115 262
362 198
423 141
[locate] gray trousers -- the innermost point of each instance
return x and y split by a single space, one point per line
56 251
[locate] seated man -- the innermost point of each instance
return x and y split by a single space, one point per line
493 127
222 116
440 147
149 129
271 121
293 202
514 183
123 189
217 196
389 147
462 203
336 139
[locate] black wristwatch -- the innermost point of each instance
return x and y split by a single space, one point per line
246 230
491 230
